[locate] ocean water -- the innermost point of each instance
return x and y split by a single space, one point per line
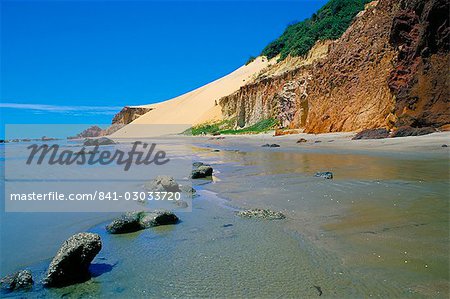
380 228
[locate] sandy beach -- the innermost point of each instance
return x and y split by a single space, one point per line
427 144
380 215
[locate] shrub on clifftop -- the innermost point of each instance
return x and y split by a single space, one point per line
330 22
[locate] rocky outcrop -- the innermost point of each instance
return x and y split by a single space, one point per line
128 114
378 133
98 142
387 70
135 221
163 183
93 131
410 131
421 34
17 281
71 263
201 170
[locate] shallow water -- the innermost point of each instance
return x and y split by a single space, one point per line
385 217
350 236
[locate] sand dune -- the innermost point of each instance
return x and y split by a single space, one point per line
197 106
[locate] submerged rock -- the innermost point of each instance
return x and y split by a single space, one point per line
302 140
326 175
135 221
261 214
71 263
201 170
188 190
163 183
181 204
379 133
99 141
20 280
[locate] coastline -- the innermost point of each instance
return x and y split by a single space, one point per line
426 144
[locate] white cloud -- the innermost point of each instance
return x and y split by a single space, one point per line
108 110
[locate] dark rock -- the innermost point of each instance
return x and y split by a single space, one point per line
261 214
135 221
317 141
98 142
216 150
201 170
227 225
127 223
71 263
17 281
158 218
326 175
410 131
270 145
444 145
163 183
302 140
379 133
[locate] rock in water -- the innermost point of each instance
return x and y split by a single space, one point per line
163 183
270 145
135 221
127 223
302 140
158 218
99 141
326 175
17 281
71 263
261 214
372 134
201 170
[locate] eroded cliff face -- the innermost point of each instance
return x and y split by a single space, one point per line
420 33
365 80
128 114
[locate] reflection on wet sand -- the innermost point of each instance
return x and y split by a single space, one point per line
385 217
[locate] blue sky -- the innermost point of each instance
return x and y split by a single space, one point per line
81 61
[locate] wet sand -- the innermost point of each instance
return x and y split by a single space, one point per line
380 228
385 215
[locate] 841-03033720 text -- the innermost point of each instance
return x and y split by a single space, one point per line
97 195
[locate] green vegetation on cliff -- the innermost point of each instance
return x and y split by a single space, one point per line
330 22
226 127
